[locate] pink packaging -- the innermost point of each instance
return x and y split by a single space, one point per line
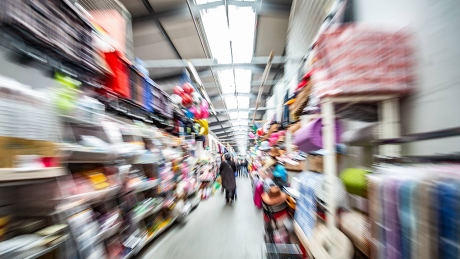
358 60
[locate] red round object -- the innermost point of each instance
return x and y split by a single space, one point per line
188 88
186 99
177 90
198 114
260 131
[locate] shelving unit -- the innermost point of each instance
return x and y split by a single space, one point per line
18 174
388 128
147 240
45 251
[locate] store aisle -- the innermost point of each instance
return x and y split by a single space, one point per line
214 230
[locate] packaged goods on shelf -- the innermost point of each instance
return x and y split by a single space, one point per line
358 60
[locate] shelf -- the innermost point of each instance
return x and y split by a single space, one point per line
79 121
141 245
19 174
452 132
159 232
45 251
147 186
147 213
96 196
108 232
81 155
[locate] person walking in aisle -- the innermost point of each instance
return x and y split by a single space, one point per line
227 171
245 167
238 167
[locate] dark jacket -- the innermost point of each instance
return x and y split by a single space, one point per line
227 172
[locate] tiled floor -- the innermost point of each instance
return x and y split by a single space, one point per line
214 230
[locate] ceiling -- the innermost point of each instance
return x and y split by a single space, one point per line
164 33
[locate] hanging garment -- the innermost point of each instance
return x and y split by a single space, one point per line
375 217
408 218
448 215
305 213
391 219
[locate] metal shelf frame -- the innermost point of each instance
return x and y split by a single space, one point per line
388 128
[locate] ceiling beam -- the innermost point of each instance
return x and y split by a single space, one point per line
265 8
225 122
250 95
161 29
246 66
259 110
253 83
207 72
204 62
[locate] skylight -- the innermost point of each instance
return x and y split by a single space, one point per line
217 32
242 22
233 115
234 39
243 102
243 80
226 81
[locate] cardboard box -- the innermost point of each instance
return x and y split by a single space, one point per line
11 147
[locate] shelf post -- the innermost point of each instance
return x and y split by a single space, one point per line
389 126
330 164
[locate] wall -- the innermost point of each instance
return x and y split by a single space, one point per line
436 102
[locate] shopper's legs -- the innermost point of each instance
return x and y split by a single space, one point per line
229 193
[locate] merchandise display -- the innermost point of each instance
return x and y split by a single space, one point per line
118 118
112 159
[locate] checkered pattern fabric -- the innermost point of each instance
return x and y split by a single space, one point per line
356 60
305 212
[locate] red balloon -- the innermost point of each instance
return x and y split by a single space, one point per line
260 131
198 114
186 99
177 90
188 88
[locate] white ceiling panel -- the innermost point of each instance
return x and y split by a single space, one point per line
166 5
215 127
135 7
183 34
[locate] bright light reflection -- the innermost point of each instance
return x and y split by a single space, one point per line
242 21
240 31
233 115
217 33
243 102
